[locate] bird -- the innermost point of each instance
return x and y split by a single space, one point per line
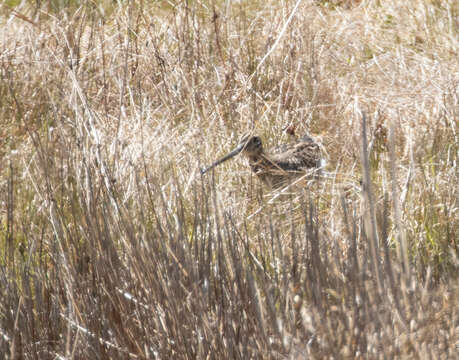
278 167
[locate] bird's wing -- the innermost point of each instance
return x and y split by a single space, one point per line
298 157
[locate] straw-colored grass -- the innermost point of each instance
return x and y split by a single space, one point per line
112 244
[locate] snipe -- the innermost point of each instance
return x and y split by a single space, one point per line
281 166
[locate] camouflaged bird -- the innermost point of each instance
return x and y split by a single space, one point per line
283 165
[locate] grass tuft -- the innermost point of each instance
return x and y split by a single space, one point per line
112 244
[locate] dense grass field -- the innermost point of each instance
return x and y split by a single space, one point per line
112 244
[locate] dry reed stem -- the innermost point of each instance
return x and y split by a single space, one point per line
114 246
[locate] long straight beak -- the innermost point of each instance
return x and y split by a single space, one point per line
230 155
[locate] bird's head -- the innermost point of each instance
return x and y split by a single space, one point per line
249 144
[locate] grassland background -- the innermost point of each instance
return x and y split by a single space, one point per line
112 245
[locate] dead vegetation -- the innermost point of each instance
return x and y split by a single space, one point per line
112 245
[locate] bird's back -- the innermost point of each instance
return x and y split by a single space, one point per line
302 155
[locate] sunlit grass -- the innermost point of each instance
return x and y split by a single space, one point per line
113 245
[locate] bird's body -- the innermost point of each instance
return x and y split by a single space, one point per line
281 166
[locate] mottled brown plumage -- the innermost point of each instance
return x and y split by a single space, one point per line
281 166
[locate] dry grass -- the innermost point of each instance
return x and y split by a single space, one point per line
112 245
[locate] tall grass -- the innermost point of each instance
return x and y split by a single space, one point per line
112 245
